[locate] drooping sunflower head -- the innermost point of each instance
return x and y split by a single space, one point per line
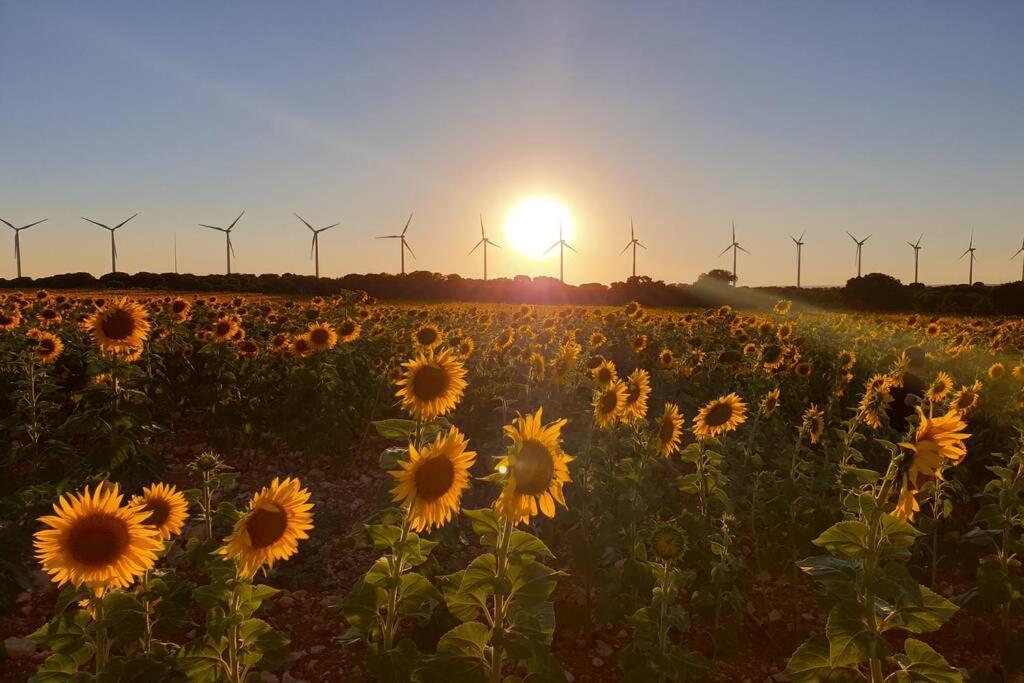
94 540
668 542
536 468
432 384
432 480
847 360
719 416
427 337
538 365
609 403
670 430
279 516
996 371
180 309
813 423
120 326
166 506
770 402
639 342
322 337
967 398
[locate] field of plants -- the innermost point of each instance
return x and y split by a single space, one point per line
248 488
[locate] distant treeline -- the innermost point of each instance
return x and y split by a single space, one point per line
873 292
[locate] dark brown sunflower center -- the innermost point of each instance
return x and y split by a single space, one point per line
319 336
534 468
609 402
666 431
5 319
434 478
158 510
98 540
178 306
719 414
118 324
426 336
604 376
266 526
47 346
222 329
632 393
348 328
430 382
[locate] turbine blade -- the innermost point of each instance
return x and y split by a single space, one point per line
851 236
725 250
8 224
482 226
312 245
734 231
742 249
407 224
231 246
802 235
628 245
640 244
494 244
96 223
570 248
963 254
389 237
211 227
552 246
236 220
866 239
475 248
1016 253
632 233
26 227
406 245
328 227
124 221
305 222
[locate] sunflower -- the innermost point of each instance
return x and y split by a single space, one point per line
639 343
596 340
536 467
609 402
427 337
278 518
166 506
939 441
348 330
432 480
94 540
813 423
996 371
847 360
225 328
121 326
803 369
604 373
940 387
432 384
638 388
1018 370
665 357
322 337
770 402
465 347
965 399
48 346
537 365
719 416
300 346
670 430
180 309
8 321
668 541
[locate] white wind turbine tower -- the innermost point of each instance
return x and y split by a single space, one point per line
229 248
484 240
860 248
113 244
404 244
1017 253
633 242
315 247
563 245
735 246
970 250
17 239
916 246
799 242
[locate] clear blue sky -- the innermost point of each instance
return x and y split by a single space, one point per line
891 118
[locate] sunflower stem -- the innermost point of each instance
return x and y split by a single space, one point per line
101 635
395 562
498 630
147 634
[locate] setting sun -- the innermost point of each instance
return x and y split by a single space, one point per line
531 226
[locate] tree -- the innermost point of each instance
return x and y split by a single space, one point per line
718 275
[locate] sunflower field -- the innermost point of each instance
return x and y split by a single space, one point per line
248 488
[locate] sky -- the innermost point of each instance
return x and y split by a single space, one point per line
880 118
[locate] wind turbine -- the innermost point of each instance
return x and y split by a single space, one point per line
229 248
735 246
916 246
1011 258
860 247
799 242
17 239
404 245
970 250
633 242
484 240
315 247
562 245
113 244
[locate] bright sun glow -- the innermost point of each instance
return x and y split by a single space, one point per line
531 226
